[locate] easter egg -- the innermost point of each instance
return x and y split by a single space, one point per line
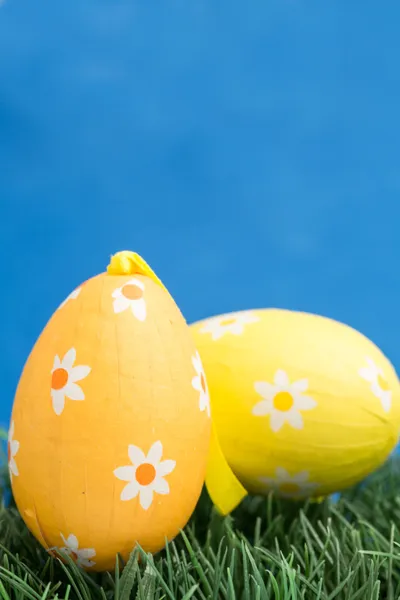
110 425
302 404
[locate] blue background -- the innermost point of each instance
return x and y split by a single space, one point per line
249 151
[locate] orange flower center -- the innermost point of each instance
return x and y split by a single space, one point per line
145 474
74 556
203 383
59 379
283 401
289 488
383 384
227 322
131 291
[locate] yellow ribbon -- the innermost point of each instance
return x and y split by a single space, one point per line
130 263
224 488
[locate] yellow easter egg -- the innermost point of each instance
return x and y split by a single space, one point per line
110 425
302 404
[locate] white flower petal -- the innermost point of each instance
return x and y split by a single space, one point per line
166 467
74 391
204 403
72 296
117 293
13 467
366 374
277 420
236 328
300 386
386 400
11 431
196 383
146 497
301 478
136 455
196 362
304 402
125 473
161 486
376 390
282 474
295 419
281 379
130 491
155 453
72 542
14 447
136 282
58 398
205 328
251 317
84 562
265 389
56 363
139 309
64 540
372 365
87 553
69 359
79 372
120 304
217 334
262 408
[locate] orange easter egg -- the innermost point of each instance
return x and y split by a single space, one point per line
110 426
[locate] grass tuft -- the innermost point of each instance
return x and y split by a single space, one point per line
267 549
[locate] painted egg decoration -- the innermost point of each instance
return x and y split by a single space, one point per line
110 425
302 404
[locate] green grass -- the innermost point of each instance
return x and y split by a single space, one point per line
267 549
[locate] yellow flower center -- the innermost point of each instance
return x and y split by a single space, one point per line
227 322
131 291
289 488
283 401
383 384
145 474
59 379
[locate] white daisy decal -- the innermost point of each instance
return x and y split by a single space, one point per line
146 474
72 296
283 401
81 556
379 385
233 323
12 449
63 380
296 486
130 295
199 383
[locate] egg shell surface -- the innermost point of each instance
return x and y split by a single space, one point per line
110 424
302 404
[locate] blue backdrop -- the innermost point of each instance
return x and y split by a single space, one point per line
249 151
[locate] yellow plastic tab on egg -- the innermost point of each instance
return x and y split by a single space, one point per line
301 404
111 426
